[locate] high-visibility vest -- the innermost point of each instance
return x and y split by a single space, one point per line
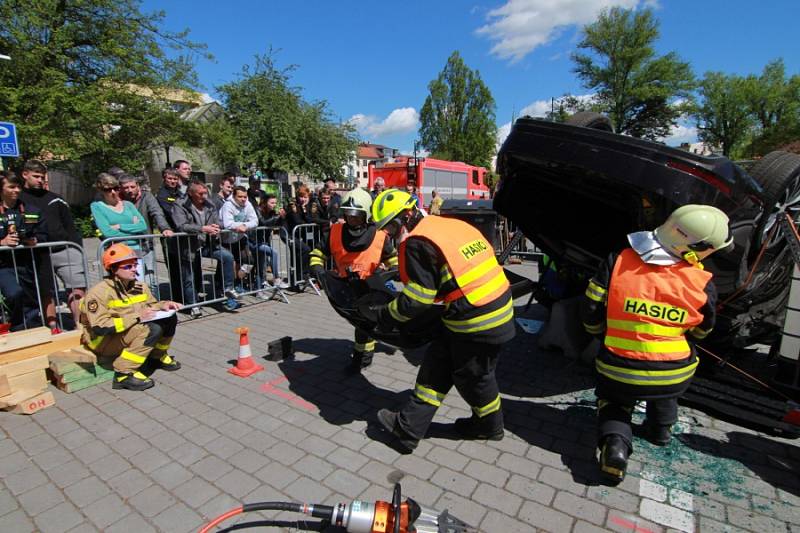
470 260
362 263
650 308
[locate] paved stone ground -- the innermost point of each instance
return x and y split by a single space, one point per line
202 441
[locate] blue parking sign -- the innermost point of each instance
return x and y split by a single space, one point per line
9 147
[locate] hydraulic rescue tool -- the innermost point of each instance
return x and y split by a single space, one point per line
364 517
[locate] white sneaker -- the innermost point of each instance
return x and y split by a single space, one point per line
280 284
231 293
263 295
195 312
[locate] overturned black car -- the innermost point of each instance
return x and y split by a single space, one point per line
577 189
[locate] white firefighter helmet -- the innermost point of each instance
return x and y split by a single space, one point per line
697 229
357 202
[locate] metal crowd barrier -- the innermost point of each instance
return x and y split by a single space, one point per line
520 247
304 238
191 268
33 284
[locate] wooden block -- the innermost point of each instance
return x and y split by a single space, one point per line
24 339
56 343
36 403
5 386
85 383
78 354
23 367
61 367
35 381
77 375
17 397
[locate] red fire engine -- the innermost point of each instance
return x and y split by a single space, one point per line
450 179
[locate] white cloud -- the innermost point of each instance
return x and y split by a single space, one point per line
681 133
421 152
538 108
502 133
519 26
402 120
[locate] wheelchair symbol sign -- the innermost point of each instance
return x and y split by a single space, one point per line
9 146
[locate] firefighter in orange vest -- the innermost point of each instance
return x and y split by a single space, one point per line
358 248
645 301
117 317
447 261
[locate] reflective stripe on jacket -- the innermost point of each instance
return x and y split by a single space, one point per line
650 308
112 307
470 260
364 262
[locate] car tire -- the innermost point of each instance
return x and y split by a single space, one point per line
779 174
590 119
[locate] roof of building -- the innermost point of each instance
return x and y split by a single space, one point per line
203 113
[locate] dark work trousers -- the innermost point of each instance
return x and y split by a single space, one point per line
364 348
176 251
16 286
159 329
468 365
614 417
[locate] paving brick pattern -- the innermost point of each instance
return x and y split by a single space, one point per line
202 441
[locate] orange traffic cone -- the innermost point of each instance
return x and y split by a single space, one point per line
245 366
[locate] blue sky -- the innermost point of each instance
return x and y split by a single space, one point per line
373 61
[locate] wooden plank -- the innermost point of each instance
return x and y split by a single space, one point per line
81 384
19 396
5 387
36 380
82 373
24 339
27 333
73 355
31 405
62 368
57 343
23 367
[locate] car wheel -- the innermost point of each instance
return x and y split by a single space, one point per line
779 175
590 119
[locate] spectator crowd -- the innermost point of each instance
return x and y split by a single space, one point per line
235 226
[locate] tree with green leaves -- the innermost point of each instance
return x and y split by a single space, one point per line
88 80
643 94
568 105
773 99
458 116
723 117
268 124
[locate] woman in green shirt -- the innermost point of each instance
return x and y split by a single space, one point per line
115 217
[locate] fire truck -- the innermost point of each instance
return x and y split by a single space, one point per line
450 179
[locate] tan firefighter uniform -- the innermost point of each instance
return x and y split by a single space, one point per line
110 314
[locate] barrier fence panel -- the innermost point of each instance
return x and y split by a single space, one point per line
522 248
304 238
42 284
256 253
204 269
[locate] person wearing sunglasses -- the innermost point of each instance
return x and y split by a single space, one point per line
119 320
115 217
646 303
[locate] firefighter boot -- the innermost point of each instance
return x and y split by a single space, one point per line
614 458
360 360
659 434
486 428
165 362
388 420
135 381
